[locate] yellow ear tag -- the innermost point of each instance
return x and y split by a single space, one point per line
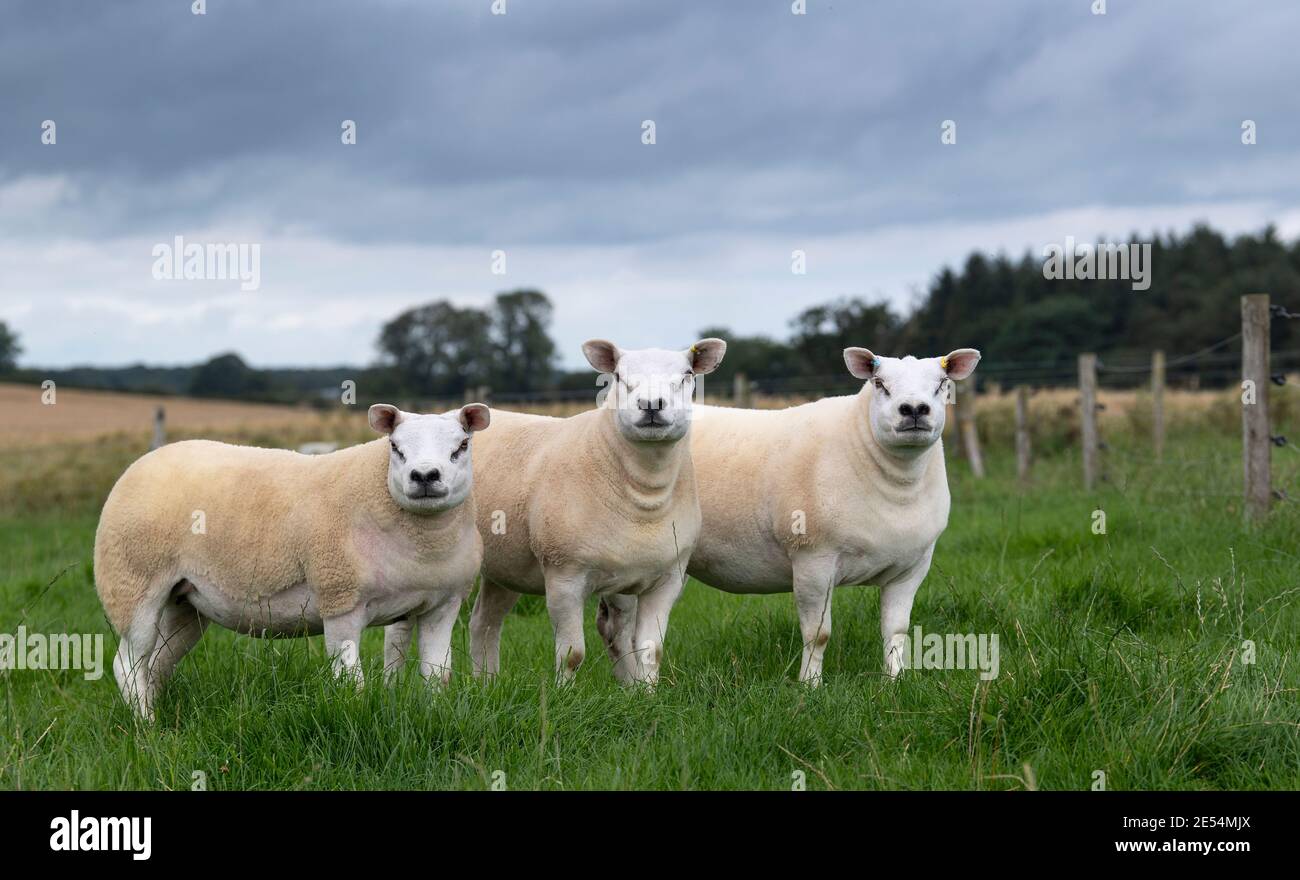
693 350
943 363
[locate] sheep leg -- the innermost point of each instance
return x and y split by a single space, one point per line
814 582
565 595
436 626
616 623
179 629
397 641
653 608
342 644
131 666
896 612
490 609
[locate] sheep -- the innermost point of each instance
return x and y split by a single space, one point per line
603 502
846 490
272 542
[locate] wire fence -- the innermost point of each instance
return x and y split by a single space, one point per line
1219 365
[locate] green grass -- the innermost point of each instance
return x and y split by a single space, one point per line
1120 653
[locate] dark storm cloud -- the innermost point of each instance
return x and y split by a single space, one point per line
523 132
527 125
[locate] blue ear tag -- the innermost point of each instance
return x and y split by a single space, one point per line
875 363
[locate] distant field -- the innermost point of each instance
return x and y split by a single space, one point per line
78 415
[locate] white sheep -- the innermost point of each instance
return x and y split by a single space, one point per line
276 543
603 502
846 490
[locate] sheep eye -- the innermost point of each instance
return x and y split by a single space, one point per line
398 452
881 386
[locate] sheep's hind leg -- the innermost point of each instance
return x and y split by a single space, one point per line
180 626
490 609
397 642
132 665
616 623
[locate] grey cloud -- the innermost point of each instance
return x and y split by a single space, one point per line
524 130
459 107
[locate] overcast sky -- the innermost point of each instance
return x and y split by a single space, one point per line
523 133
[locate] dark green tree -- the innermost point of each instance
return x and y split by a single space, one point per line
439 349
758 357
525 352
821 333
226 375
9 348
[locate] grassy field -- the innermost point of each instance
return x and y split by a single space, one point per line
1121 653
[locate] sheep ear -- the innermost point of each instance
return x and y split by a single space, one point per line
960 363
475 417
861 362
385 417
705 355
602 354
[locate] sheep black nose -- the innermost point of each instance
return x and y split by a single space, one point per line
907 410
652 405
432 476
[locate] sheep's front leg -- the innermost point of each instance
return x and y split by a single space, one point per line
343 641
814 580
653 608
896 612
565 594
436 626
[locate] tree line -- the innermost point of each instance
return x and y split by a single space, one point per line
1020 319
1006 307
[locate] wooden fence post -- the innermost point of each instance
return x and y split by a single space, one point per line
1255 434
742 391
1088 416
1158 403
1022 434
159 429
970 438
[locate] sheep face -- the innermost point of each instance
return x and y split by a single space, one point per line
907 398
429 466
651 390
